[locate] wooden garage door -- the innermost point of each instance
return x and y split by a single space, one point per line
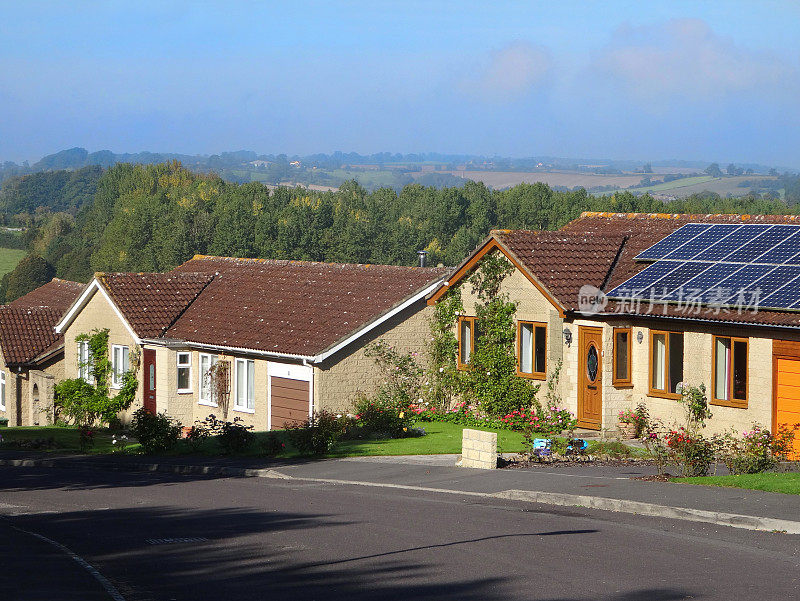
787 397
289 399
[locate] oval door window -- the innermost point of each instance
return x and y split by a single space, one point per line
592 363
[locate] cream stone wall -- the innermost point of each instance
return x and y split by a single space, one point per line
25 404
532 305
99 314
341 378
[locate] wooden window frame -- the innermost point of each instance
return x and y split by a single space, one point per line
472 320
654 392
622 382
732 402
533 375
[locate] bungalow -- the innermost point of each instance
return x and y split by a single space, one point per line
32 353
271 340
632 305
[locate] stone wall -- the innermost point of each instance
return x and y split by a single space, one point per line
479 449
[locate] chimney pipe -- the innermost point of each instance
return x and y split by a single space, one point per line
423 257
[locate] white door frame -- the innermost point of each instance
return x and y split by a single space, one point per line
303 373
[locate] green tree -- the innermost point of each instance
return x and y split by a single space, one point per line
33 271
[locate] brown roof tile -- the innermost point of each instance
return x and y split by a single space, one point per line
292 307
642 230
563 262
27 324
151 302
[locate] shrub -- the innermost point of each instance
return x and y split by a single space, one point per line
693 453
755 451
156 433
198 434
613 448
233 436
695 403
317 435
85 438
381 417
270 444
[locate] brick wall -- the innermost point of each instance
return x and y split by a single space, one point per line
479 449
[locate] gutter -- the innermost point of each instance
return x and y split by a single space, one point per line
747 324
174 343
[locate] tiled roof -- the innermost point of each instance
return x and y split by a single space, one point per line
642 230
563 262
292 307
27 324
151 302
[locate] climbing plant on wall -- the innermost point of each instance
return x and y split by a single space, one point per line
87 403
490 382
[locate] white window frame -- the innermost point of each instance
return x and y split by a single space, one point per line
116 375
180 366
237 406
2 390
85 362
203 380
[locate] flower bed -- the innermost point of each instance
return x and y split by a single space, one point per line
553 420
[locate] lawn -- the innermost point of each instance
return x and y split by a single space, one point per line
784 483
63 438
9 257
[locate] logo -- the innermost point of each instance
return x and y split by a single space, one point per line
591 300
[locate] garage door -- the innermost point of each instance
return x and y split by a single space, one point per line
787 400
289 401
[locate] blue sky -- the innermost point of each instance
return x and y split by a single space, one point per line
641 80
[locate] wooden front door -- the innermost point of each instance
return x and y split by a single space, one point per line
590 375
150 380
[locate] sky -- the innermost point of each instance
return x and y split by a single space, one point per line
716 81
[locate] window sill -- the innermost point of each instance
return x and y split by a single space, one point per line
531 376
735 404
663 395
622 384
185 391
244 410
207 404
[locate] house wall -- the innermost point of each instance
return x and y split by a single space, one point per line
532 305
340 379
30 393
98 314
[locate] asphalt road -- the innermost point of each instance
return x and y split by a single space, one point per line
163 537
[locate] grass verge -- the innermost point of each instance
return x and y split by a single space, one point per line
64 438
788 483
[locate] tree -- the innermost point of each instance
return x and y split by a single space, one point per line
731 169
33 271
714 170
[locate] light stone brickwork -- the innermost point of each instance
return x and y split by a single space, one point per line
29 393
98 314
479 449
339 380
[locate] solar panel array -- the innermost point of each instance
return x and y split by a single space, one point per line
723 264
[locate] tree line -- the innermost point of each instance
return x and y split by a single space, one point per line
154 217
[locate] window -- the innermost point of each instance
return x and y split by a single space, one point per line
466 340
206 396
120 364
184 372
622 357
730 372
245 385
532 349
2 391
85 362
666 363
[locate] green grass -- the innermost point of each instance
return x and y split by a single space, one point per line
9 257
675 184
784 483
64 438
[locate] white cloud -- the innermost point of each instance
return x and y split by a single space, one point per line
509 73
685 57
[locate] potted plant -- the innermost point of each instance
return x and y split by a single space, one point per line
627 423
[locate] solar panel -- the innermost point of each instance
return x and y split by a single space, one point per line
722 264
707 279
702 242
674 240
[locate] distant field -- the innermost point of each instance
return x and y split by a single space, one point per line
9 257
507 179
694 185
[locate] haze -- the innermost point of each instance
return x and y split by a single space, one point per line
628 80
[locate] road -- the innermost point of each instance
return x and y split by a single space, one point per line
164 537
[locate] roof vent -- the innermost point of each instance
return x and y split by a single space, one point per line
423 257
